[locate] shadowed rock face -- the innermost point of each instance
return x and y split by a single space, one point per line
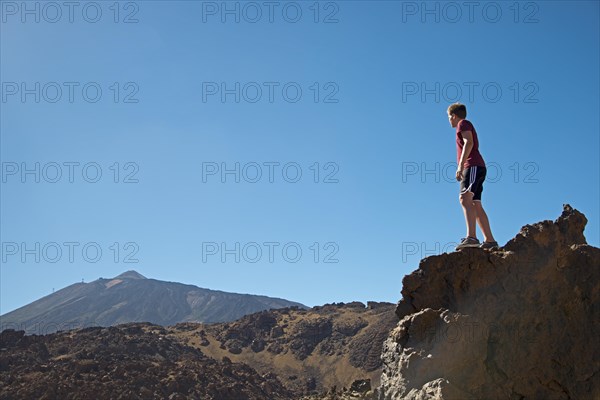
521 322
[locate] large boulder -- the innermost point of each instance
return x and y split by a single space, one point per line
519 322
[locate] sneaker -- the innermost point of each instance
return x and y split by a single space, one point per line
467 242
488 245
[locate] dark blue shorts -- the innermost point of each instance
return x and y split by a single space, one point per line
472 181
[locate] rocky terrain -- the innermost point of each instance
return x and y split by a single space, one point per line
276 354
311 351
131 297
131 361
519 322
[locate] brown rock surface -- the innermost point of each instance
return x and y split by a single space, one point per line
520 322
275 354
131 361
311 351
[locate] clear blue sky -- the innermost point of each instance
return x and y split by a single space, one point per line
375 77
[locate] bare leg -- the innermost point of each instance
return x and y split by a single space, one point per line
466 201
483 222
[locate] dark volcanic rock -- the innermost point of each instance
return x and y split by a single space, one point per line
365 349
521 322
361 386
312 350
308 334
135 361
203 361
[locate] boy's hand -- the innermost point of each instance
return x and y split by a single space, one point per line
458 174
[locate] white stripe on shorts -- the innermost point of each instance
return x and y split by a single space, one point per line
473 174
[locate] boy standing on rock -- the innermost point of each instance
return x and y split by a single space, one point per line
471 174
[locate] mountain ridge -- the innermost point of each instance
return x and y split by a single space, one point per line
131 297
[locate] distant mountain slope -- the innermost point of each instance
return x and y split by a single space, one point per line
131 297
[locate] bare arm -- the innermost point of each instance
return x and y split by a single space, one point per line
467 147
